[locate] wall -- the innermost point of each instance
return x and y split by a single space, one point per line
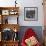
26 3
44 12
31 3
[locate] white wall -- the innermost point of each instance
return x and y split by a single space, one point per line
31 3
26 3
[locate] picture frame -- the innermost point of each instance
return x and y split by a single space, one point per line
0 36
5 12
10 19
30 13
13 20
13 12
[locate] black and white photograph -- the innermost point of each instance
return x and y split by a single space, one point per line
30 13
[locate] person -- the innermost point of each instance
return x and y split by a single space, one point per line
30 38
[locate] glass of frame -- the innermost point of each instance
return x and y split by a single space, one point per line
30 13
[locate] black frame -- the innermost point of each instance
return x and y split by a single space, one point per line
30 9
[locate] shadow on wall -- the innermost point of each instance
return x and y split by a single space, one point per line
37 29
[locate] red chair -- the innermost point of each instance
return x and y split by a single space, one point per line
29 33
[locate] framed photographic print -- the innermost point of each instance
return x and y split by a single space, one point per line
5 12
12 20
31 13
5 20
